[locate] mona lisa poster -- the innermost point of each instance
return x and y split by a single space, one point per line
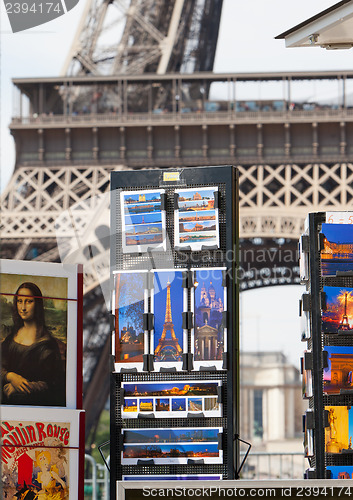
40 334
42 455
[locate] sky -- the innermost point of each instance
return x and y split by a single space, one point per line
246 43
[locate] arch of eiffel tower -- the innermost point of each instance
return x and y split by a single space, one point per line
136 93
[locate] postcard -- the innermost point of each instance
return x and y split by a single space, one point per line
196 221
143 221
337 254
208 303
172 399
341 471
168 302
303 261
42 453
130 302
307 381
186 477
339 433
50 295
339 373
167 446
305 325
308 438
338 315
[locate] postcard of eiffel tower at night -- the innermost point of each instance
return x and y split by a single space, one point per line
168 309
209 306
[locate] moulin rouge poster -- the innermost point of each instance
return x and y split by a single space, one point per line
35 459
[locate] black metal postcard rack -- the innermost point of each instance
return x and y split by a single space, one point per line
170 230
326 308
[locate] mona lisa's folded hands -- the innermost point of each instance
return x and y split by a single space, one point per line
19 383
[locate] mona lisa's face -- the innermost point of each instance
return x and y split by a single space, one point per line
26 304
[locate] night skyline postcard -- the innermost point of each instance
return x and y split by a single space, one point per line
168 309
337 254
178 404
146 404
187 388
209 307
178 435
195 450
129 310
162 404
130 405
338 316
339 373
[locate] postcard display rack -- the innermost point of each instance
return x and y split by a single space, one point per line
174 411
42 424
326 307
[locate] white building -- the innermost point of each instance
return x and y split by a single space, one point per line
271 404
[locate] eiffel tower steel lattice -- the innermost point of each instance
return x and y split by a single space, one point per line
168 327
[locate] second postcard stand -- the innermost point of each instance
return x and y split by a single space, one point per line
174 386
326 307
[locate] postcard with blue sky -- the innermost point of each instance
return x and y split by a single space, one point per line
341 471
196 219
169 302
143 221
129 303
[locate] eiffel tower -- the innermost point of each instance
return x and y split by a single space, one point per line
63 196
168 327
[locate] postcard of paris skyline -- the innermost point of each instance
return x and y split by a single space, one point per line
129 307
337 254
143 221
196 221
339 433
174 445
339 372
209 301
178 398
337 315
168 306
